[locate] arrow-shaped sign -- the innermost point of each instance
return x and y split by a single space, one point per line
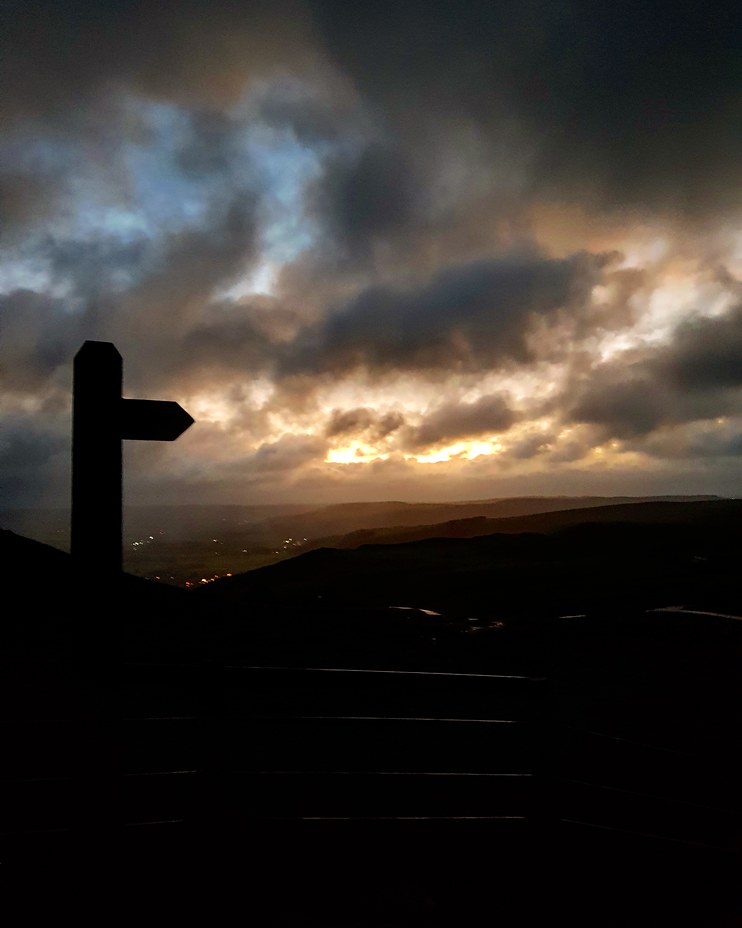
153 420
101 418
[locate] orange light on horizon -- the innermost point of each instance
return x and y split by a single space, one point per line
355 453
466 450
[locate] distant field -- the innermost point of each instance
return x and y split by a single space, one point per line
182 562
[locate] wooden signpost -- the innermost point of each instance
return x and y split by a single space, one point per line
101 418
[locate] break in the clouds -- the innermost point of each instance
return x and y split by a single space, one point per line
426 250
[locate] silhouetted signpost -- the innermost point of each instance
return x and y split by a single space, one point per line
101 418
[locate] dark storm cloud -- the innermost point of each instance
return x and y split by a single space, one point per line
227 338
27 455
707 354
630 103
466 318
363 420
695 377
195 260
530 446
287 453
369 196
314 116
627 406
57 56
211 147
345 421
23 444
102 265
38 340
23 198
454 421
715 446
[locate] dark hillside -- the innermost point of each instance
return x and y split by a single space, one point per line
713 514
56 610
610 565
187 712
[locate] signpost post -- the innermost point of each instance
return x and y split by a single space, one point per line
101 418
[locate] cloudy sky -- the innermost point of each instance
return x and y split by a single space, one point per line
413 249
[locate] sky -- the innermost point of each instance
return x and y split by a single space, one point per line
417 249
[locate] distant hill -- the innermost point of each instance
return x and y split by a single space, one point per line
712 511
575 564
343 518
